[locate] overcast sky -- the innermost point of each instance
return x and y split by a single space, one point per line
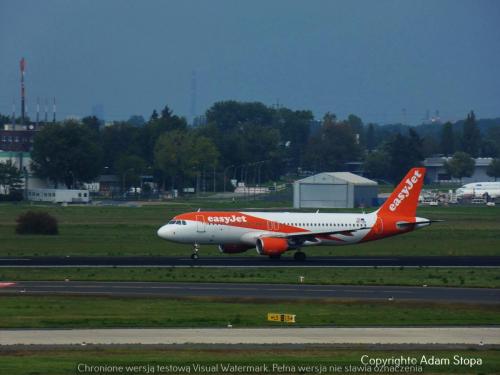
377 59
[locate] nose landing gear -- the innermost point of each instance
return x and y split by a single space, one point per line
195 255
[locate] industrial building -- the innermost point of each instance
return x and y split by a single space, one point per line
59 195
334 190
436 171
17 138
22 161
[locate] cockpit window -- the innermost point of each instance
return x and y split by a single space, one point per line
177 222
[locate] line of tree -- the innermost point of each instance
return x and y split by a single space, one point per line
248 141
11 183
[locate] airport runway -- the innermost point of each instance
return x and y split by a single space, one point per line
256 261
385 335
259 291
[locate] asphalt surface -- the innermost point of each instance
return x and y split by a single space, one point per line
477 336
258 291
237 261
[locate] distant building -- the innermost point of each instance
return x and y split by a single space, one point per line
22 160
436 171
98 111
199 121
334 190
59 195
17 137
109 183
19 159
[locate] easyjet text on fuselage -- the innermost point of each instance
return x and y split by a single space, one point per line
227 219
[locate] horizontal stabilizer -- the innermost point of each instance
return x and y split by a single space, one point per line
419 222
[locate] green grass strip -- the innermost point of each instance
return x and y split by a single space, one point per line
308 360
100 312
112 230
451 277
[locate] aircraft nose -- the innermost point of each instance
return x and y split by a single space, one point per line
163 232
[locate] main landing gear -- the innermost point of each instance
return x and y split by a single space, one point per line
299 256
195 255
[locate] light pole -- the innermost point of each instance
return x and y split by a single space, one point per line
214 179
224 177
26 178
125 173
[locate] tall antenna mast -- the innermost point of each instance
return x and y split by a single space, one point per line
193 94
37 112
46 110
22 65
13 113
54 110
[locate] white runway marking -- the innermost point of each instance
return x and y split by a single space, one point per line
327 335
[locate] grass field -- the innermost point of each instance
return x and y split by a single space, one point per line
308 360
112 230
452 277
100 312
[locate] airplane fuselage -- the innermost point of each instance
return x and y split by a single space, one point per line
273 233
246 227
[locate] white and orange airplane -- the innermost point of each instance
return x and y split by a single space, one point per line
273 233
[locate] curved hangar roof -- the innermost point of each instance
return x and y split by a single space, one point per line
338 178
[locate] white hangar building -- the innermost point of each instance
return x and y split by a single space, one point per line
334 190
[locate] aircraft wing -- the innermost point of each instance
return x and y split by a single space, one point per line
305 235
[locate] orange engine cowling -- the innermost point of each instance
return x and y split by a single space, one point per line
272 245
233 248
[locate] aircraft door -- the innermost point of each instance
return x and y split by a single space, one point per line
200 223
379 226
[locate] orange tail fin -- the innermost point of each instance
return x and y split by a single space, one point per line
404 199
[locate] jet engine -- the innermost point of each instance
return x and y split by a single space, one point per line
272 246
233 248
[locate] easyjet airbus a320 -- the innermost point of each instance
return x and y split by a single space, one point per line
273 233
